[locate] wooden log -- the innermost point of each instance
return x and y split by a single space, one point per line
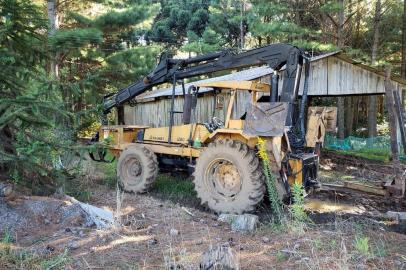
5 190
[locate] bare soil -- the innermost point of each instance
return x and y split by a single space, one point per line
335 239
145 242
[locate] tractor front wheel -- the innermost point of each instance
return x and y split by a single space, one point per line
137 169
228 177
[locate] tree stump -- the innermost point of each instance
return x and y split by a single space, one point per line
5 190
220 257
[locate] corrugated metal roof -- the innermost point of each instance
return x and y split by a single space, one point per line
245 75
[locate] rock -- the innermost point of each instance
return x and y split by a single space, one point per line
220 257
360 266
68 230
152 241
47 222
240 223
265 239
89 223
231 242
173 232
399 216
398 263
73 246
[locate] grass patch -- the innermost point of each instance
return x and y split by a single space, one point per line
10 258
174 188
361 245
110 173
373 154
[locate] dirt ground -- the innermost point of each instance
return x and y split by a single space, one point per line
347 232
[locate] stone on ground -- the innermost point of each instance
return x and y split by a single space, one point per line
399 216
240 223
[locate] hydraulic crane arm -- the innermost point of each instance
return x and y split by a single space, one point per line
169 70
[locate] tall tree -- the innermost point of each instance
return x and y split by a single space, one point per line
403 66
372 131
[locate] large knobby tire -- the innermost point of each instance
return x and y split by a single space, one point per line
137 169
228 177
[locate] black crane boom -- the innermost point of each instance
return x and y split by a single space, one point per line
275 56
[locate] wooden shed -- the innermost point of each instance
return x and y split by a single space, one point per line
332 74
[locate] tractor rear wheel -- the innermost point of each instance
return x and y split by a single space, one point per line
137 168
228 177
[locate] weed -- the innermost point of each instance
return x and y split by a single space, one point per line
276 202
297 208
109 173
275 227
361 245
380 249
317 243
280 256
333 244
24 260
55 262
7 237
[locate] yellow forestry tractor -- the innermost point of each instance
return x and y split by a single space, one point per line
227 173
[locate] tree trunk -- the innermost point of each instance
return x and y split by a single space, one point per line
242 34
377 20
348 116
391 115
340 117
53 19
403 69
372 132
357 38
341 100
340 28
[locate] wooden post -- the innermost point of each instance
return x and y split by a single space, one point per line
391 115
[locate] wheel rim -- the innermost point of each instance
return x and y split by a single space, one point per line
223 178
132 171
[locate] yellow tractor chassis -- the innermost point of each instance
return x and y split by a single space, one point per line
227 168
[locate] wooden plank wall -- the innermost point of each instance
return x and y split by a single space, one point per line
330 76
156 113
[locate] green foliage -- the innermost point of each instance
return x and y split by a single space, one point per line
115 20
124 67
297 208
15 259
361 245
274 19
76 38
174 188
55 262
176 18
31 111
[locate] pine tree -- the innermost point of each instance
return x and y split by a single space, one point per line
29 103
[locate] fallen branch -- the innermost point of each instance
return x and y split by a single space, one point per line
103 219
187 211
